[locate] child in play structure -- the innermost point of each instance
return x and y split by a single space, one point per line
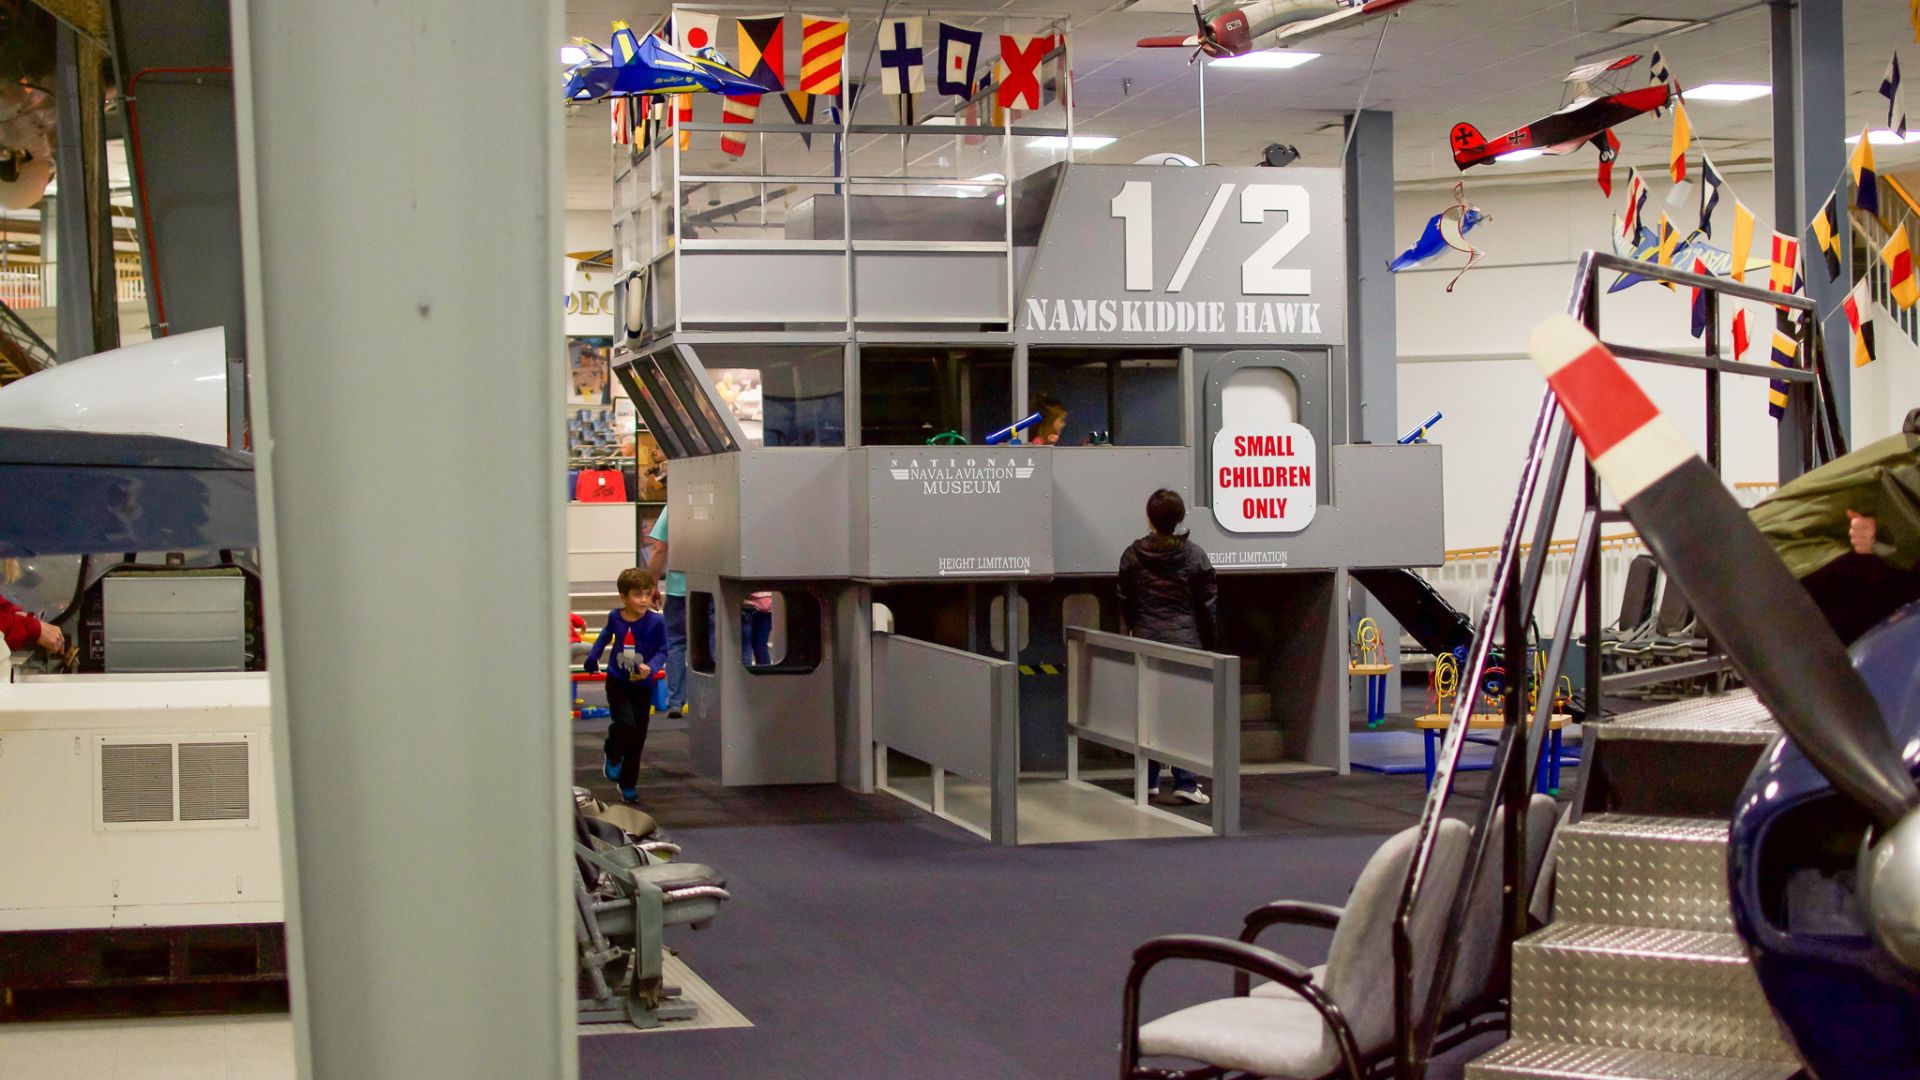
639 638
1053 420
1167 593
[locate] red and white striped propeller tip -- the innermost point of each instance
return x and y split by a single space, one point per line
1632 445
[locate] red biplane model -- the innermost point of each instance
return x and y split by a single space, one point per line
1586 119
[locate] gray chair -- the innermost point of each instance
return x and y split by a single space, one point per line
1305 1024
1477 985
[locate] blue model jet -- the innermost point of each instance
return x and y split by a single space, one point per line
648 65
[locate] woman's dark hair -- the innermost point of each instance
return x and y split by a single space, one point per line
1166 510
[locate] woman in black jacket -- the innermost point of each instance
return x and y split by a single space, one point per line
1167 594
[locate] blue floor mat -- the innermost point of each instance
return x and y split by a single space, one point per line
1398 752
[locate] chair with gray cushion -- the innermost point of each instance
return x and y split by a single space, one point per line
1477 985
1305 1024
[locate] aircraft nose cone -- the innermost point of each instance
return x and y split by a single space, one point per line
1892 886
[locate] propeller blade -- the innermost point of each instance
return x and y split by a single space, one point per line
1754 609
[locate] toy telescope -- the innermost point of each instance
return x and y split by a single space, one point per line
1419 434
1007 433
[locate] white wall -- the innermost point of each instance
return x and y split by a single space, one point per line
1884 390
589 230
1464 352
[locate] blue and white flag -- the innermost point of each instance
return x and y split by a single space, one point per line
1657 73
959 56
1709 194
902 70
1890 89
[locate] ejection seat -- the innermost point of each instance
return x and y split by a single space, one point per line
1338 1018
625 896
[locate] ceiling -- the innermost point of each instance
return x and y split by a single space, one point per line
1497 63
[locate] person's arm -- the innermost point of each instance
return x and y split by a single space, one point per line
1123 590
657 558
591 665
23 629
1206 612
653 642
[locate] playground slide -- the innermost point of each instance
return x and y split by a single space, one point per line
1422 611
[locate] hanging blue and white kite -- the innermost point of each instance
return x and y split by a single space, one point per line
1446 229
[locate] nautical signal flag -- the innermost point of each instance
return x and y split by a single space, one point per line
1608 152
1657 73
1890 89
1699 300
1669 239
1786 258
823 45
763 51
1860 323
902 67
799 105
692 32
737 110
622 131
1709 194
1899 259
1022 54
1826 233
1742 239
1682 137
1785 348
959 57
1866 184
1636 204
1740 341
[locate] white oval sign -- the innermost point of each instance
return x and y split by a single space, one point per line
1263 478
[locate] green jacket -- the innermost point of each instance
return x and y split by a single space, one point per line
1806 520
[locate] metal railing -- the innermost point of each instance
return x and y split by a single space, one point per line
1157 702
1518 575
1466 576
959 712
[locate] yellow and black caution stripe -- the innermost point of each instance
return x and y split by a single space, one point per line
1039 669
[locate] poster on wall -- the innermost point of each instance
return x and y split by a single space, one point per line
589 371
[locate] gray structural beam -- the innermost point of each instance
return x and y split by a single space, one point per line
1809 115
407 374
75 326
1373 341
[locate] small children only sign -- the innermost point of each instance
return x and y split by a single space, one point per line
1263 478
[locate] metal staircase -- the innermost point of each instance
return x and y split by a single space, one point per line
1640 975
22 352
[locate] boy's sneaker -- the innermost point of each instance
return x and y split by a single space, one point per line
1192 795
612 770
628 795
677 712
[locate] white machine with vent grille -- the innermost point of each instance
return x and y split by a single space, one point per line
137 801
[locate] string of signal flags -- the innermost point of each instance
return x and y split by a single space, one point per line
1858 183
914 55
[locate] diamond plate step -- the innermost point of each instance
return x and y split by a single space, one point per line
1528 1059
1635 870
1737 717
1673 991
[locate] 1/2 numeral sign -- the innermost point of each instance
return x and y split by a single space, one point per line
1260 274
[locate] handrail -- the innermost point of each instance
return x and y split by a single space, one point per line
1556 545
1511 599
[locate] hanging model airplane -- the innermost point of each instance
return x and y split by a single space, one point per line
1238 29
1586 119
648 65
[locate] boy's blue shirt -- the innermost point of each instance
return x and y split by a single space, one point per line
649 640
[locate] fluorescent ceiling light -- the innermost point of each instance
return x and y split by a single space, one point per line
572 54
1648 24
1885 137
1268 59
1527 154
1080 142
1727 91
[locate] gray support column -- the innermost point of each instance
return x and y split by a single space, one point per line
404 347
1373 350
73 313
1809 113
